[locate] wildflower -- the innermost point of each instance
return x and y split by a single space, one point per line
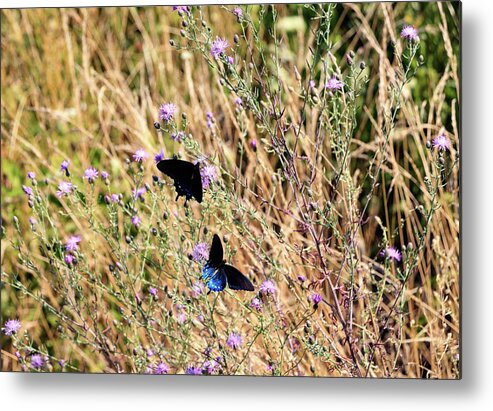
218 47
159 156
140 155
409 33
441 142
72 243
198 288
181 317
105 175
210 119
392 253
182 9
238 12
33 221
61 363
256 304
153 291
64 167
311 84
31 175
301 278
69 259
90 174
268 287
37 361
64 188
239 102
11 327
334 84
200 252
230 60
178 137
115 198
27 190
316 298
136 220
167 111
208 175
211 366
253 144
161 368
149 353
234 341
192 370
138 193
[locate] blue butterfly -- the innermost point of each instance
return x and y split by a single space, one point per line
217 273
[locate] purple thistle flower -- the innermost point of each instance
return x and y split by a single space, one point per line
37 361
72 243
301 278
136 220
198 287
441 142
64 167
33 221
183 9
316 298
334 84
211 366
64 188
268 287
392 253
230 60
178 137
69 259
90 174
218 47
105 175
234 341
192 370
409 33
115 198
167 111
239 102
149 353
311 84
253 144
210 119
200 252
153 291
238 12
140 155
256 304
161 368
31 175
11 327
27 190
138 193
208 175
159 156
61 363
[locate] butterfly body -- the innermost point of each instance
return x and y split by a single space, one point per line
216 273
186 178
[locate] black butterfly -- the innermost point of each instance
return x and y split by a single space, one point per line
186 177
216 272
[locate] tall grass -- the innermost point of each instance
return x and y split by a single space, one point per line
317 127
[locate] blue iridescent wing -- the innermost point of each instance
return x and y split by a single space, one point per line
215 279
236 280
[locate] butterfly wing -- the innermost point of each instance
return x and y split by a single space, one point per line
236 280
196 183
216 279
216 252
186 177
